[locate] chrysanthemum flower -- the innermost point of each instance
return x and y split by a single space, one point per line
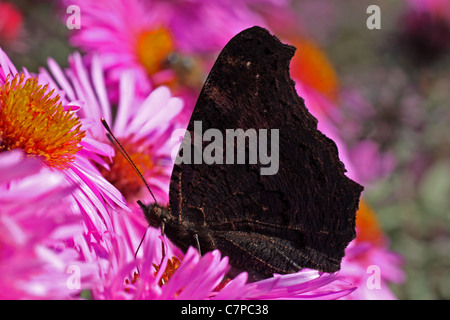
42 123
36 261
143 125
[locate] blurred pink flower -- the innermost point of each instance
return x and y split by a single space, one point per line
69 151
435 7
363 163
368 262
371 268
35 229
11 23
424 30
143 124
325 112
370 161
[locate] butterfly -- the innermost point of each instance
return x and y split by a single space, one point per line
302 216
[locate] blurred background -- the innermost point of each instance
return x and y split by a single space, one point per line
389 85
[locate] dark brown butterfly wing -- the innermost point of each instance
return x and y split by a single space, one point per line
302 216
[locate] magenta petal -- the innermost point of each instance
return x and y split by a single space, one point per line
98 147
209 271
97 183
181 277
235 289
14 165
60 78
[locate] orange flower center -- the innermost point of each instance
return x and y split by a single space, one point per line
153 48
311 66
367 225
30 119
172 266
122 174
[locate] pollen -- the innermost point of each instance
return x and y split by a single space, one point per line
133 281
35 121
153 47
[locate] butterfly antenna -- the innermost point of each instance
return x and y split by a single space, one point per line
121 149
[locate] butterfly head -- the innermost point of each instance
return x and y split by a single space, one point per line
154 214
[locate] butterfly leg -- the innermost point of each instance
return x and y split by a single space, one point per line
163 248
197 242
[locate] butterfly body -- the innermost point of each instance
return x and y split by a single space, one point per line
183 234
303 216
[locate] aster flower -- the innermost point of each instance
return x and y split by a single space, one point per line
138 33
153 39
143 125
42 123
191 276
35 231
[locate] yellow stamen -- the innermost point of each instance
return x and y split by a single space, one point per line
172 266
30 119
133 281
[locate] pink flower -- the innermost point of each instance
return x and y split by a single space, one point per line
53 132
371 162
191 276
434 7
143 124
364 161
368 262
158 38
11 23
424 30
36 260
371 268
317 83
